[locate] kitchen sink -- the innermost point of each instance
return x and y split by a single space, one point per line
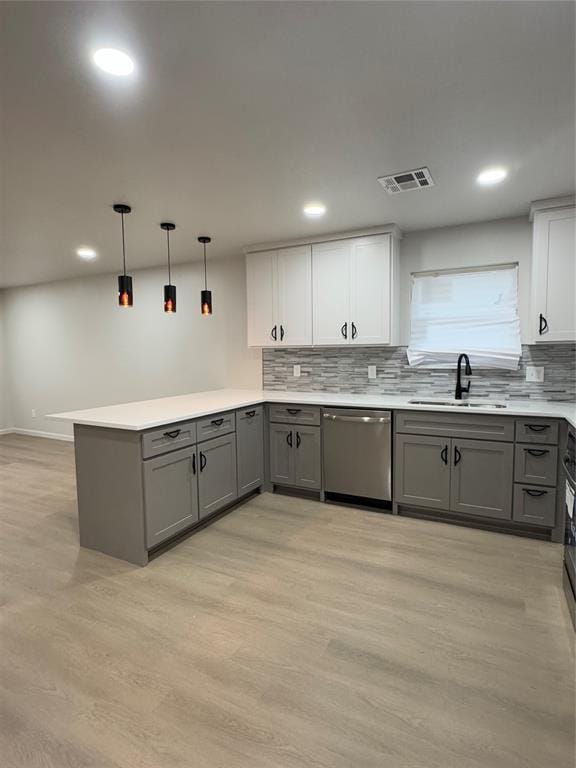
459 404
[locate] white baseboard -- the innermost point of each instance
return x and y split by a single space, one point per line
36 433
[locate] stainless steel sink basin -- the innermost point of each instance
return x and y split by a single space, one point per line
459 404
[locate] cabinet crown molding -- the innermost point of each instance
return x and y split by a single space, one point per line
383 229
567 201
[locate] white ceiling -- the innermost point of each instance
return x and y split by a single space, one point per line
240 112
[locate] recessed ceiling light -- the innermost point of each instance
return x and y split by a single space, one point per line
88 254
491 176
113 61
314 210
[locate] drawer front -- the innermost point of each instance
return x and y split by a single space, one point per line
462 425
537 431
534 505
536 464
295 414
168 438
216 425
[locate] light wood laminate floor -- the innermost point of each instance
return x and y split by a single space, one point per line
289 634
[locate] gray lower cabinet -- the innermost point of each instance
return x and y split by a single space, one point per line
250 449
482 478
217 478
295 456
170 494
534 505
536 464
422 471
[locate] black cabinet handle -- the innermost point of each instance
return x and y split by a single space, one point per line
298 440
444 454
344 330
538 427
274 333
293 411
281 333
543 325
193 463
536 452
173 434
532 492
202 461
217 422
354 331
250 414
457 456
289 438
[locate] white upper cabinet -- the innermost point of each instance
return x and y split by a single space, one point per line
331 292
279 297
353 292
553 308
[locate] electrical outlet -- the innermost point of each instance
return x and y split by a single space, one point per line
371 371
33 413
296 372
534 373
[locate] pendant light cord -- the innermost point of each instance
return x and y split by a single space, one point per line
205 279
168 244
123 246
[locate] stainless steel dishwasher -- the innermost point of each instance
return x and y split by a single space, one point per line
357 452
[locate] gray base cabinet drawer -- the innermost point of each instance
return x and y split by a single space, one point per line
536 464
462 425
170 495
217 480
534 505
218 424
250 449
537 431
169 438
295 414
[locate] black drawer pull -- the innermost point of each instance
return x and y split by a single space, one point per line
537 451
344 330
293 411
354 331
274 333
202 461
444 454
298 440
281 333
289 438
217 422
250 414
193 463
538 427
174 433
532 492
543 325
457 456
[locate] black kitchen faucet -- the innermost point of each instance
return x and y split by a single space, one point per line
460 389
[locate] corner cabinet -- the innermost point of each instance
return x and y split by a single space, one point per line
553 310
335 292
279 297
353 299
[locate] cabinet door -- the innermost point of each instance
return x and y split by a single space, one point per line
422 471
294 315
281 454
331 293
217 484
482 478
554 275
249 449
370 290
261 298
170 494
307 457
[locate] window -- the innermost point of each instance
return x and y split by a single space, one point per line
473 311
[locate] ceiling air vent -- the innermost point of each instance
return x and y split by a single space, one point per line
420 178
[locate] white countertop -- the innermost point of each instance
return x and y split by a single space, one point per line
147 414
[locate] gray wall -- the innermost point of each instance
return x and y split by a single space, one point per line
70 346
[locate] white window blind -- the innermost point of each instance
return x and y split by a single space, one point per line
472 311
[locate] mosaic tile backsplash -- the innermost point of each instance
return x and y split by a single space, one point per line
345 369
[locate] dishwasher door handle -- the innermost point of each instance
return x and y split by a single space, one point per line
359 419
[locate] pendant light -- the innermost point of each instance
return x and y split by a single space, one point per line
169 290
205 295
125 293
